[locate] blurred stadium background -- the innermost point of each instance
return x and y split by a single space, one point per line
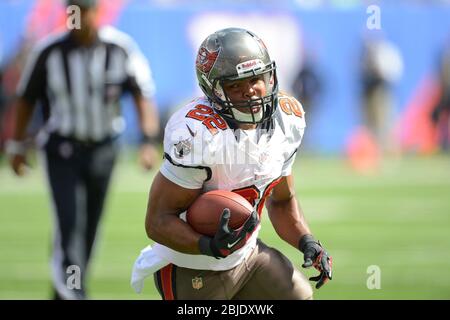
372 202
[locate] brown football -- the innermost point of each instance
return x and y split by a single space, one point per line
204 214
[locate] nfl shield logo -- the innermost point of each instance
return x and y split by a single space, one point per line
197 283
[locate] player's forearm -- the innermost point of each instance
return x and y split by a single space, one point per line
162 223
288 220
24 111
171 231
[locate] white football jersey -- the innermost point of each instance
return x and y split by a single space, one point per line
202 152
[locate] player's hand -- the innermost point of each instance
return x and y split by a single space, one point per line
226 240
316 256
148 156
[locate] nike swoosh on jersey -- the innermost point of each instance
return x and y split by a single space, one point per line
192 133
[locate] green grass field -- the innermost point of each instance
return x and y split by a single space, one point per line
398 220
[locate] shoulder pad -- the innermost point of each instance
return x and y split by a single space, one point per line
291 116
291 110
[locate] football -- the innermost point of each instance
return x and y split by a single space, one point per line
204 214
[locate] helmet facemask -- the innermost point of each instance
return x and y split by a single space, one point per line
251 111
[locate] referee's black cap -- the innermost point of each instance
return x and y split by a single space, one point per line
83 3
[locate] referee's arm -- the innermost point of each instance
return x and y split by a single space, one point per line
30 89
148 115
140 84
16 146
149 124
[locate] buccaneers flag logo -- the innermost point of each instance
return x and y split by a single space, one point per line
206 59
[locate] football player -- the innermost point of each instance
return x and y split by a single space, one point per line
241 136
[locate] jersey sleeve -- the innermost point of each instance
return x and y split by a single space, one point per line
287 166
185 152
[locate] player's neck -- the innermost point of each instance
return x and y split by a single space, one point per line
242 126
247 126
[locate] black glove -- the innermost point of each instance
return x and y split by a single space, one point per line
226 241
316 256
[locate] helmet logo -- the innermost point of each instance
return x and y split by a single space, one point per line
206 59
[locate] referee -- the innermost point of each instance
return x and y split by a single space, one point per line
78 78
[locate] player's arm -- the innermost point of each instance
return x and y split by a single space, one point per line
162 223
290 224
285 213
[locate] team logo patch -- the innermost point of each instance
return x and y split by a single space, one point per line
206 59
183 148
197 283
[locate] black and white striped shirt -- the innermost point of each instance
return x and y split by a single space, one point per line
80 87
